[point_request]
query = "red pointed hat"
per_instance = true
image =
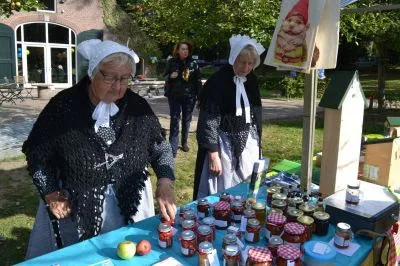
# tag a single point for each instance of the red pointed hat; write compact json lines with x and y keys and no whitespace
{"x":300,"y":8}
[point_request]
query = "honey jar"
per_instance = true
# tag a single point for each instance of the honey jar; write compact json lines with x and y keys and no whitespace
{"x":288,"y":255}
{"x":252,"y":230}
{"x":188,"y":243}
{"x":261,"y":213}
{"x":259,"y":256}
{"x":222,"y":214}
{"x":294,"y":234}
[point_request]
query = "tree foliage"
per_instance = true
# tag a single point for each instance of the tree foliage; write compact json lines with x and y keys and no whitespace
{"x":206,"y":22}
{"x":8,"y":6}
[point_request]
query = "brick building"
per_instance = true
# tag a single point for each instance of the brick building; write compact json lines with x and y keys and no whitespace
{"x":41,"y":45}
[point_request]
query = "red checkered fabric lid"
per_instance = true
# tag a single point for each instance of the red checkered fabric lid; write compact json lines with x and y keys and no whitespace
{"x":294,"y":228}
{"x":289,"y":252}
{"x":260,"y":254}
{"x":222,"y":206}
{"x":276,"y":218}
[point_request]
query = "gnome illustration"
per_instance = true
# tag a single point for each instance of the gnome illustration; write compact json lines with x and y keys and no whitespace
{"x":291,"y":47}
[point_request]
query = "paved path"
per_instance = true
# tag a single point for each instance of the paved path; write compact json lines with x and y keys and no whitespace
{"x":16,"y":120}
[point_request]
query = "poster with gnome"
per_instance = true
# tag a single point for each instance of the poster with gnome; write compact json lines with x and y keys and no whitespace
{"x":306,"y":35}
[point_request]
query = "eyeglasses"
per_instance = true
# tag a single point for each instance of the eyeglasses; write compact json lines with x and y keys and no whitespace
{"x":110,"y":79}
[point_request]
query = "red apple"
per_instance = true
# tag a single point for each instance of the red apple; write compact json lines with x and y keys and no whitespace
{"x":143,"y":247}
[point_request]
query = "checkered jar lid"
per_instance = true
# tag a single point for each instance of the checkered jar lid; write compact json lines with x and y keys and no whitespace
{"x":260,"y":254}
{"x":276,"y":218}
{"x":289,"y":252}
{"x":222,"y":206}
{"x":294,"y":228}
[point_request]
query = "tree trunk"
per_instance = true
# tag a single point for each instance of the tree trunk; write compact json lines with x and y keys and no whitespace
{"x":381,"y":76}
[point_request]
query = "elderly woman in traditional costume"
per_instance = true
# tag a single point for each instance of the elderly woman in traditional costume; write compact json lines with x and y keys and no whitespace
{"x":229,"y":125}
{"x":88,"y":153}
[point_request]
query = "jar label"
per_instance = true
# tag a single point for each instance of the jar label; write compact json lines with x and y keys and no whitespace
{"x":221,"y":223}
{"x":162,"y":244}
{"x":237,"y":217}
{"x":201,"y":215}
{"x":243,"y":224}
{"x":249,"y":237}
{"x":298,"y":245}
{"x":267,"y":234}
{"x":290,"y":263}
{"x":340,"y":241}
{"x":185,"y":251}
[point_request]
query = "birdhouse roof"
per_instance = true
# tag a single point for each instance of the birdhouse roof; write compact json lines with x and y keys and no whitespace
{"x":393,"y":121}
{"x":338,"y":88}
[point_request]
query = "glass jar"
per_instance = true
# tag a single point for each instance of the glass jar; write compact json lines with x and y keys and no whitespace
{"x":247,"y":214}
{"x":210,"y":222}
{"x":276,"y":211}
{"x":297,"y":201}
{"x":279,"y":204}
{"x":189,"y":215}
{"x":250,"y":202}
{"x":241,"y":199}
{"x":321,"y":223}
{"x":343,"y":236}
{"x":205,"y":249}
{"x":273,"y":243}
{"x":237,"y":210}
{"x":309,"y":225}
{"x":234,"y":229}
{"x":182,"y":210}
{"x":293,"y":214}
{"x":225,"y":196}
{"x":320,"y":205}
{"x":165,"y":235}
{"x":222,"y":214}
{"x":229,"y":239}
{"x":231,"y":255}
{"x":204,"y":233}
{"x":274,"y":225}
{"x":188,"y":225}
{"x":271,"y":191}
{"x":188,"y":243}
{"x":279,"y":196}
{"x":203,"y":208}
{"x":294,"y":234}
{"x":259,"y":256}
{"x":261,"y":212}
{"x":353,"y":193}
{"x":252,"y":230}
{"x":307,"y":208}
{"x":288,"y":255}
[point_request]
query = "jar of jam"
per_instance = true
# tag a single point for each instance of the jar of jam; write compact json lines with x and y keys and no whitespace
{"x":205,"y":249}
{"x":165,"y":235}
{"x":275,"y":224}
{"x":343,"y":236}
{"x":247,"y":214}
{"x":253,"y":230}
{"x":229,"y":239}
{"x":225,"y":196}
{"x":294,"y":234}
{"x":188,"y":243}
{"x":288,"y":255}
{"x":188,"y":225}
{"x":307,"y":208}
{"x":273,"y":243}
{"x":261,"y":213}
{"x":237,"y":210}
{"x":203,"y":208}
{"x":297,"y":201}
{"x":234,"y":229}
{"x":163,"y":220}
{"x":231,"y":255}
{"x":321,"y":223}
{"x":222,"y":214}
{"x":210,"y":222}
{"x":204,"y":233}
{"x":241,"y":199}
{"x":293,"y":214}
{"x":259,"y":256}
{"x":271,"y":191}
{"x":182,"y":210}
{"x":279,"y":196}
{"x":309,"y":225}
{"x":274,"y":210}
{"x":189,"y":215}
{"x":279,"y":204}
{"x":353,"y":193}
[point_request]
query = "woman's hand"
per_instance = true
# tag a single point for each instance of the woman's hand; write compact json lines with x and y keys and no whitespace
{"x":215,"y":163}
{"x":165,"y":197}
{"x":174,"y":75}
{"x":59,"y":205}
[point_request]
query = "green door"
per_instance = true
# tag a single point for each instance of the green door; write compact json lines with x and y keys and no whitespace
{"x":7,"y":53}
{"x":82,"y":62}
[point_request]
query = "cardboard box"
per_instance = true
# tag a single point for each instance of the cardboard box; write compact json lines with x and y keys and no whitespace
{"x":382,"y":162}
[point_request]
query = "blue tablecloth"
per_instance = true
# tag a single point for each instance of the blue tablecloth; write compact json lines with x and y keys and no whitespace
{"x":103,"y":247}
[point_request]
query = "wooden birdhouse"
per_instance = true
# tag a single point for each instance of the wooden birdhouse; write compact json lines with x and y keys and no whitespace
{"x":392,"y":127}
{"x":344,"y":104}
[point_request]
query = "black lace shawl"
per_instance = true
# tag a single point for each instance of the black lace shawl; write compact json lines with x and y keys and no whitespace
{"x":64,"y":145}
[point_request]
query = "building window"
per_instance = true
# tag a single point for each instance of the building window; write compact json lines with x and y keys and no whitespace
{"x":50,"y":6}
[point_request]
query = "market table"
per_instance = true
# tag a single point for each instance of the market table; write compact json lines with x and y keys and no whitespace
{"x":101,"y":250}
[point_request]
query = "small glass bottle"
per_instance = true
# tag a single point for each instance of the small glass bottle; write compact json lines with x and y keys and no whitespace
{"x":343,"y":236}
{"x":204,"y":233}
{"x":309,"y":225}
{"x":231,"y":255}
{"x":237,"y":210}
{"x":294,"y":234}
{"x":321,"y":223}
{"x":252,"y":231}
{"x":205,"y":249}
{"x":261,"y":212}
{"x":203,"y":208}
{"x":273,"y":243}
{"x":210,"y":222}
{"x":188,"y":243}
{"x":353,"y":193}
{"x":274,"y":225}
{"x":188,"y":225}
{"x":229,"y":239}
{"x":288,"y":255}
{"x":165,"y":235}
{"x":259,"y":256}
{"x":222,"y":214}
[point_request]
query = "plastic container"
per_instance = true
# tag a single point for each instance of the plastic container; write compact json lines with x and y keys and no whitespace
{"x":319,"y":253}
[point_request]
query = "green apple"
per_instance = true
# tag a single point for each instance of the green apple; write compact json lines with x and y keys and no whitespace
{"x":126,"y":250}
